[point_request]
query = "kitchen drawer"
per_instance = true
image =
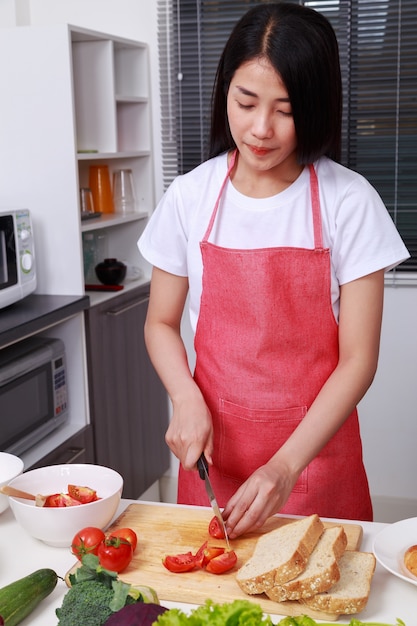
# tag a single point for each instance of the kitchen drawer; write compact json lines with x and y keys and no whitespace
{"x":77,"y":449}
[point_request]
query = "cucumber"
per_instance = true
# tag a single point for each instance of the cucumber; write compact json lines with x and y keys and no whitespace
{"x":21,"y":597}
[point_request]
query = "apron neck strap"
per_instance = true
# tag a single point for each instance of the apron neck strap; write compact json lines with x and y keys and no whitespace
{"x":216,"y":206}
{"x":315,"y":204}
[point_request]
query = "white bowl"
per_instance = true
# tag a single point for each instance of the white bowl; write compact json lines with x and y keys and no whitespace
{"x":57,"y":526}
{"x":10,"y":467}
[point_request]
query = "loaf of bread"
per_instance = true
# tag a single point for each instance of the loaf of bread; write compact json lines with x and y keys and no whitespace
{"x":280,"y":555}
{"x":350,"y":594}
{"x":410,"y":559}
{"x":321,"y":572}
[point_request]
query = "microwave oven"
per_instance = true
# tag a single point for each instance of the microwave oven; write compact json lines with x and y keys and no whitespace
{"x":17,"y":256}
{"x":33,"y":392}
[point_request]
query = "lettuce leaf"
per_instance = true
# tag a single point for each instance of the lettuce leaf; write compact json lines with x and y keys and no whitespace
{"x":242,"y":613}
{"x":236,"y":613}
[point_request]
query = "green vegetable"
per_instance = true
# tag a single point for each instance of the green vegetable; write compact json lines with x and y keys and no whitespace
{"x":304,"y":620}
{"x":241,"y":613}
{"x":97,"y":593}
{"x":21,"y":597}
{"x":237,"y":613}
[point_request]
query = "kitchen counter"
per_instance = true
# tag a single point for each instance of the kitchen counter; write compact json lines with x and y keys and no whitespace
{"x":36,"y":312}
{"x":21,"y":555}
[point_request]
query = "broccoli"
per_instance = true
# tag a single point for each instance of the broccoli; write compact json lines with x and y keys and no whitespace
{"x":86,"y":603}
{"x":96,"y":593}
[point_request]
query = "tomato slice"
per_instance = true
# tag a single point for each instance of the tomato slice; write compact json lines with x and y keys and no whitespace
{"x":205,"y":553}
{"x":61,"y":500}
{"x":82,"y":494}
{"x":179,"y":563}
{"x":222,"y":563}
{"x":215,"y":529}
{"x":199,"y":555}
{"x":128,"y":534}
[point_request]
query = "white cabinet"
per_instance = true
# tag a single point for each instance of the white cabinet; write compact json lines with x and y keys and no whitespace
{"x":71,"y":98}
{"x":113,"y":127}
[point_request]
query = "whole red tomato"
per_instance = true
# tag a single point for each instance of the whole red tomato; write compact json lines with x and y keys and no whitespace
{"x":128,"y":534}
{"x":87,"y":541}
{"x":115,"y":554}
{"x":215,"y":530}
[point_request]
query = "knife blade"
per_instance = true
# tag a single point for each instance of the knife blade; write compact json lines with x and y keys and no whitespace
{"x":203,"y":470}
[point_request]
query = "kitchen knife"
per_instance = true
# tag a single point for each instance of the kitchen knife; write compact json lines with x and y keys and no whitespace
{"x":203,"y":470}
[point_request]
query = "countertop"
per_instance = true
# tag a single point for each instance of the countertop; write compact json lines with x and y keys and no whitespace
{"x":390,"y":598}
{"x":36,"y":312}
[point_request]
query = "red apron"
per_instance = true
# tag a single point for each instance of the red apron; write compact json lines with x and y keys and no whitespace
{"x":266,"y":342}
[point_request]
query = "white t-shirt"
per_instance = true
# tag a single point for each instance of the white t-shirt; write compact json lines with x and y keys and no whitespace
{"x":357,"y":227}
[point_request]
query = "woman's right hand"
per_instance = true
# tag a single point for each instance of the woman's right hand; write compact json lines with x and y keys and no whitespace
{"x":190,"y":431}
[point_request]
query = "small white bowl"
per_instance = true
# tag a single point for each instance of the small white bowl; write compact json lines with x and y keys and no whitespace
{"x":10,"y":467}
{"x":57,"y":526}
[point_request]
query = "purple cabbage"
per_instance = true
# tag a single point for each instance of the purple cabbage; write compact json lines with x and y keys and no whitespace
{"x":137,"y":614}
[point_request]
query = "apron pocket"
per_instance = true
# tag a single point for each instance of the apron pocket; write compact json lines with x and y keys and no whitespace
{"x":248,"y":438}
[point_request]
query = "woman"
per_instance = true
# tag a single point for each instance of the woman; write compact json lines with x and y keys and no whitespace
{"x":283,"y":253}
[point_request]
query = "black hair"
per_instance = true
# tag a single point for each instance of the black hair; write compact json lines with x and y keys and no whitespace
{"x":301,"y":45}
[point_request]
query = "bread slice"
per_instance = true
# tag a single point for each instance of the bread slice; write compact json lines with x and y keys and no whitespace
{"x":322,"y":570}
{"x":350,"y":594}
{"x":280,"y":555}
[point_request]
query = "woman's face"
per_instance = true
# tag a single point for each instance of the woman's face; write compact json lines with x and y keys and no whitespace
{"x":260,"y":117}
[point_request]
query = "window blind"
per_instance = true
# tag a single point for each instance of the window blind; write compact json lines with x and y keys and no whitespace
{"x":379,"y":72}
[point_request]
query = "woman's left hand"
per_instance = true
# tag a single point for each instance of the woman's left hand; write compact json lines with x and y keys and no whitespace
{"x":264,"y":493}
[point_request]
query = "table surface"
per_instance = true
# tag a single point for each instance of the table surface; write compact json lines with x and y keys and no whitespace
{"x":390,"y":598}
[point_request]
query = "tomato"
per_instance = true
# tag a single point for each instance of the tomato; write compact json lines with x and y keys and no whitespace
{"x":87,"y":541}
{"x":128,"y":534}
{"x":76,"y":495}
{"x":211,"y":552}
{"x":199,"y":555}
{"x":115,"y":554}
{"x":60,"y":500}
{"x":215,"y":529}
{"x":222,"y":563}
{"x":188,"y":561}
{"x":179,"y":563}
{"x":82,"y":494}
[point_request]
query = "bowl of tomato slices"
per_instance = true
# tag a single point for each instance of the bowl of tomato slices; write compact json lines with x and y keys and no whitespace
{"x":66,"y":498}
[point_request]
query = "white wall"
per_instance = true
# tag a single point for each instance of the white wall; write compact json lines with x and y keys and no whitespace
{"x":388,"y":414}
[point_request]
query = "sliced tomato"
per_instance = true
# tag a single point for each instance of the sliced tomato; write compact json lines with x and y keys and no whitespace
{"x":128,"y":534}
{"x":179,"y":563}
{"x":215,"y":529}
{"x":222,"y":563}
{"x":82,"y":494}
{"x":199,"y":555}
{"x":211,"y":552}
{"x":61,"y":500}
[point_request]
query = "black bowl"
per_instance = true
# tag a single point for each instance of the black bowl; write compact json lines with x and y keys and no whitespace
{"x":111,"y":272}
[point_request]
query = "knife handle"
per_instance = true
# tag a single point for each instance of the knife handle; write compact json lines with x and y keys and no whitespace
{"x":202,"y":466}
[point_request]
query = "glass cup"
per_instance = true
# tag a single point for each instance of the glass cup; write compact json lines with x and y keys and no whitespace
{"x":99,"y":180}
{"x":86,"y":201}
{"x":123,"y":191}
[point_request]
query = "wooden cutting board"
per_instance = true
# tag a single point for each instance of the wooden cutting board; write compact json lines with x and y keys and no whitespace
{"x":164,"y":529}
